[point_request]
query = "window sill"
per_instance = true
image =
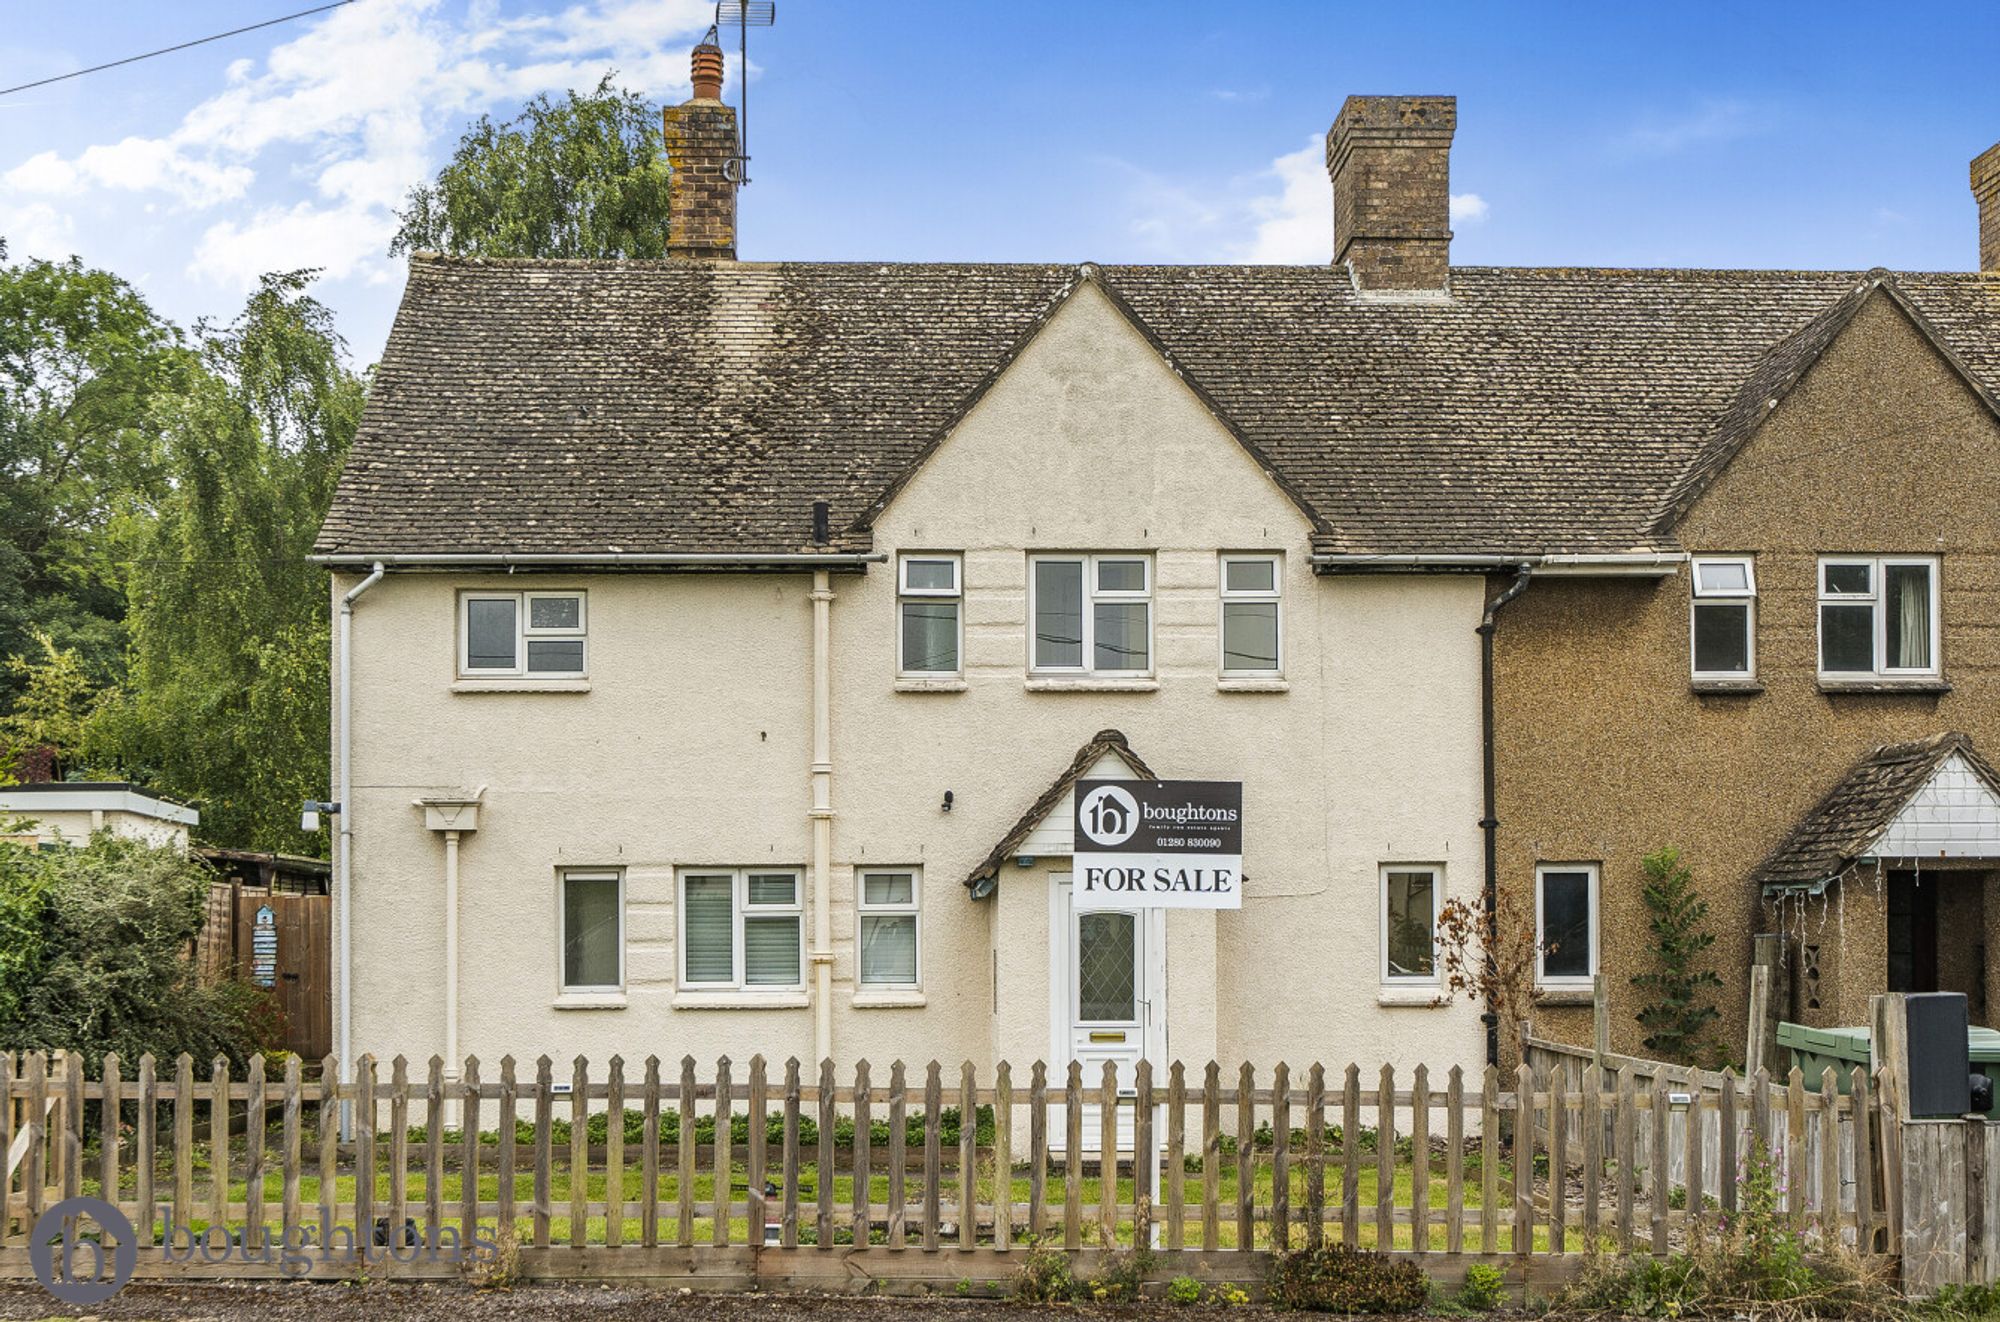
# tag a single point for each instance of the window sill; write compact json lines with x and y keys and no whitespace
{"x":740,"y":1000}
{"x":1884,"y":686}
{"x":1740,"y":688}
{"x":1089,"y":684}
{"x":1559,"y":996}
{"x":907,"y":998}
{"x":942,"y":684}
{"x":1413,"y":997}
{"x":1234,"y":684}
{"x":521,"y":686}
{"x":590,"y":1001}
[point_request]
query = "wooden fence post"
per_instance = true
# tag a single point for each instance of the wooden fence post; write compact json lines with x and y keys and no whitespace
{"x":864,"y":1154}
{"x":933,"y":1143}
{"x":1176,"y":1157}
{"x":468,"y":1175}
{"x":725,"y":1137}
{"x":649,"y":1146}
{"x":614,"y":1153}
{"x":824,"y":1221}
{"x":968,"y":1158}
{"x":545,"y":1151}
{"x":899,"y":1153}
{"x":293,"y":1125}
{"x":1003,"y":1157}
{"x":579,"y":1152}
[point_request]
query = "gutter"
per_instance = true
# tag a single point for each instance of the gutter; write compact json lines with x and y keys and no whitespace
{"x":344,"y":852}
{"x":1490,"y":823}
{"x":1642,"y":564}
{"x":529,"y":559}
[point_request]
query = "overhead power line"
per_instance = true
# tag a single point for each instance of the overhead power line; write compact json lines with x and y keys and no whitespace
{"x":168,"y":50}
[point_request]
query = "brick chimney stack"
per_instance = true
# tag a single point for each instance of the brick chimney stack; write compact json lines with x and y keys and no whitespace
{"x":1986,"y":188}
{"x":701,"y":150}
{"x":1390,"y":158}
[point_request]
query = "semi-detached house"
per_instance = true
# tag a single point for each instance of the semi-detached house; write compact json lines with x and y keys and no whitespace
{"x":719,"y":641}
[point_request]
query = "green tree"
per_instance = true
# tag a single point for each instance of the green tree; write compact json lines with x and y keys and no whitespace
{"x":95,"y":956}
{"x":1677,"y":1013}
{"x":581,"y":177}
{"x":85,"y":367}
{"x":226,"y":702}
{"x":52,"y":711}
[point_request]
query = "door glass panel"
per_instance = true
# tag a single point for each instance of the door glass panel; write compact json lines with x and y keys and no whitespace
{"x":1107,"y":967}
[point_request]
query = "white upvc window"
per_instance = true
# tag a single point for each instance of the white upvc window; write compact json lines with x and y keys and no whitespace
{"x":1722,"y":620}
{"x":1411,"y":896}
{"x":888,"y":905}
{"x":742,"y":929}
{"x":1878,"y":617}
{"x":533,"y":635}
{"x":1565,"y":924}
{"x":930,"y":625}
{"x":593,"y":930}
{"x":1090,"y":614}
{"x":1252,"y":614}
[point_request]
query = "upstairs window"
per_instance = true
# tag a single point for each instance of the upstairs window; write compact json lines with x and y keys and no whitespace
{"x":1723,"y":626}
{"x":1091,"y":614}
{"x":1878,"y":617}
{"x":928,"y":623}
{"x":533,"y":635}
{"x":1251,"y":628}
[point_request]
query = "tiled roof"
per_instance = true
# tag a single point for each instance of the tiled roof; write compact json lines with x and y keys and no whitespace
{"x":1854,"y":814}
{"x":981,"y":880}
{"x":667,"y":407}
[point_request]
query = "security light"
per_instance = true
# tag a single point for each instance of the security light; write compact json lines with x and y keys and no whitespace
{"x":310,"y":811}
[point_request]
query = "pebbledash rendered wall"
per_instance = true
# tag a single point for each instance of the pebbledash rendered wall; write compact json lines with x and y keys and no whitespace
{"x":692,"y":747}
{"x":1605,"y":750}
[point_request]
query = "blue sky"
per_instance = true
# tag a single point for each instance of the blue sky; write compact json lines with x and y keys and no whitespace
{"x":1773,"y":134}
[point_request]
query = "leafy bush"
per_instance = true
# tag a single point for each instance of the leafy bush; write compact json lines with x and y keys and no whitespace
{"x":1677,"y":1015}
{"x":1184,"y":1290}
{"x":1337,"y":1279}
{"x":1119,"y":1279}
{"x":1044,"y":1276}
{"x":1485,"y":1288}
{"x":95,"y":957}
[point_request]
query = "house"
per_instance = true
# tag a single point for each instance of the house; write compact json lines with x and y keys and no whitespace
{"x":47,"y":813}
{"x":1806,"y":705}
{"x":720,"y":643}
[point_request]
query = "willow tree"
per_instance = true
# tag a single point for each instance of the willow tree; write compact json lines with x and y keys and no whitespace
{"x":582,"y":177}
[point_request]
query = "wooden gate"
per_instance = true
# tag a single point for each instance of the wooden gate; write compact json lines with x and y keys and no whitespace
{"x":280,"y":943}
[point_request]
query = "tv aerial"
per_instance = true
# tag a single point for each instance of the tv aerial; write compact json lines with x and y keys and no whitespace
{"x":742,"y":15}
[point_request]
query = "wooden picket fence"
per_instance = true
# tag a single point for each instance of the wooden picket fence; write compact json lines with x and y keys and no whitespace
{"x":931,"y":1177}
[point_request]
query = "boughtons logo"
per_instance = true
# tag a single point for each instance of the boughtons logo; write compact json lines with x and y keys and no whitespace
{"x":55,"y":1233}
{"x":1110,"y":816}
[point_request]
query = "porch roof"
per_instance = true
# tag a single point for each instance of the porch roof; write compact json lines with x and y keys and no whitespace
{"x":1873,"y":810}
{"x":982,"y":879}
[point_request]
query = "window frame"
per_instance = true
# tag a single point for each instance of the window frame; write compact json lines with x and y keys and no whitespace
{"x":565,"y":875}
{"x":1434,"y":977}
{"x":863,"y":909}
{"x":1877,"y":603}
{"x":523,"y":600}
{"x":1724,"y":596}
{"x":739,"y":910}
{"x":905,"y":594}
{"x":1567,"y":982}
{"x":1275,"y":596}
{"x":1092,"y":595}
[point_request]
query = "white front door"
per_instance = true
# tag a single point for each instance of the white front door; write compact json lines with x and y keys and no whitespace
{"x":1109,"y":975}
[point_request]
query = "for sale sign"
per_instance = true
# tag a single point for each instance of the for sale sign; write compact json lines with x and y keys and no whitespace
{"x":1159,"y":844}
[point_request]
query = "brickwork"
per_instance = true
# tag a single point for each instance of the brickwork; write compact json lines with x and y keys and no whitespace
{"x":701,"y":140}
{"x":1986,"y":188}
{"x":1390,"y":159}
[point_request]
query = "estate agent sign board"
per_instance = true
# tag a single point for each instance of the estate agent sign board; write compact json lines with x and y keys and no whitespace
{"x":1159,"y":844}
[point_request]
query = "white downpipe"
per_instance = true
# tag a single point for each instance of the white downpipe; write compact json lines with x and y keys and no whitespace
{"x":451,"y":1057}
{"x":822,"y":817}
{"x":343,"y":854}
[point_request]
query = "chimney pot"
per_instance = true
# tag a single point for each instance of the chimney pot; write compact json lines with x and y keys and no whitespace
{"x":707,"y":62}
{"x":1986,"y":189}
{"x":1390,"y":161}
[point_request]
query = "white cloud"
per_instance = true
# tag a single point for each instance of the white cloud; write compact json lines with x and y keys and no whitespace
{"x":1295,"y":223}
{"x":1468,"y":208}
{"x":36,"y":230}
{"x":1709,"y":121}
{"x":355,"y":110}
